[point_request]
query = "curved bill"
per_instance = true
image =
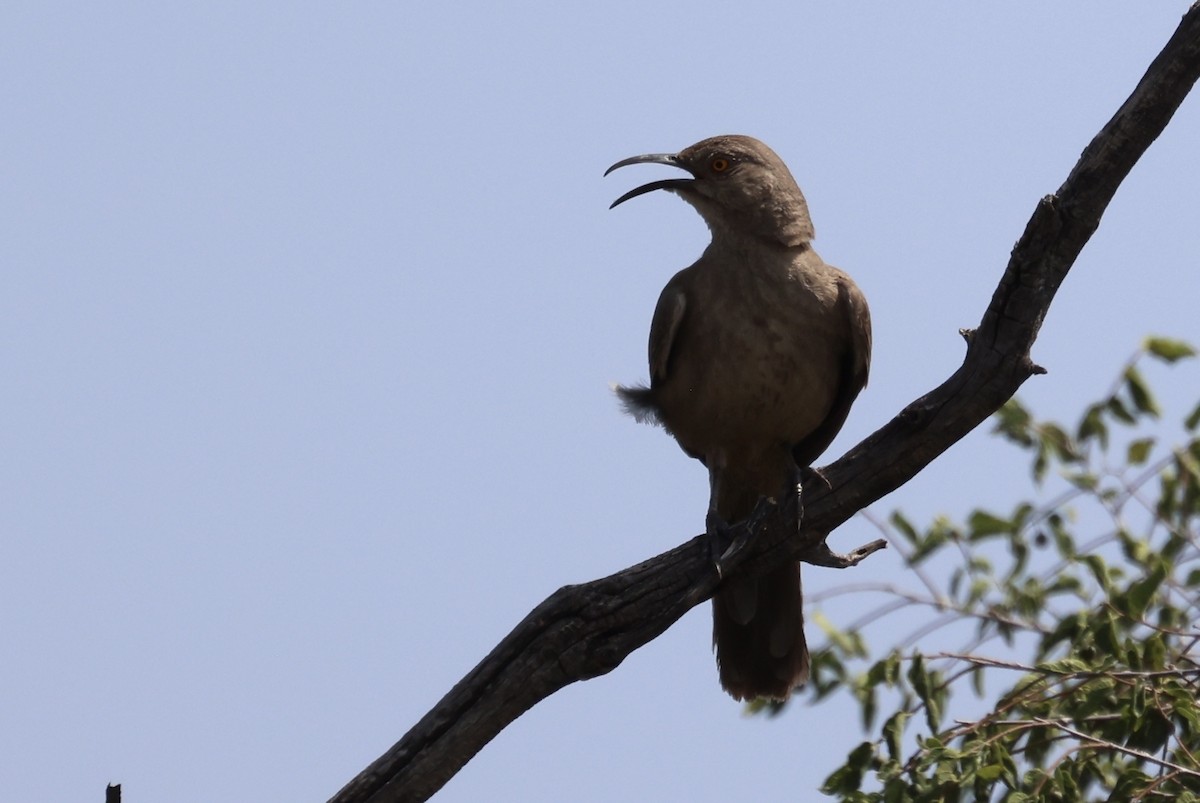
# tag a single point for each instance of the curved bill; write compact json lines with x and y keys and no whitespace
{"x":647,"y":158}
{"x":664,"y":184}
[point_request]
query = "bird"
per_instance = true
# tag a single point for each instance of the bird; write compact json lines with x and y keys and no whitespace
{"x":757,"y":352}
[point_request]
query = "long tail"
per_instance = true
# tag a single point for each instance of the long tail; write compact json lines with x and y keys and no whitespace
{"x":758,"y":632}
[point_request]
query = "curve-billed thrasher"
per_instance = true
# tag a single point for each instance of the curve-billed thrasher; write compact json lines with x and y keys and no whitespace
{"x":757,"y":352}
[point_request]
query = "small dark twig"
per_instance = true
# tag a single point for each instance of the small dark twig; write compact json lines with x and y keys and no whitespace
{"x":822,"y":555}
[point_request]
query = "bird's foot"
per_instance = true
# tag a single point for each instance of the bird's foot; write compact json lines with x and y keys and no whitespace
{"x":793,"y":502}
{"x":724,"y":541}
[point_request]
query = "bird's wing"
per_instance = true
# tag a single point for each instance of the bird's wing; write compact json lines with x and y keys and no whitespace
{"x":855,"y":366}
{"x":854,"y":305}
{"x":663,"y":328}
{"x":638,"y":400}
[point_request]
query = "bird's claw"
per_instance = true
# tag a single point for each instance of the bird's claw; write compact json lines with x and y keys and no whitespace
{"x":726,"y":540}
{"x":794,"y":501}
{"x":723,"y":541}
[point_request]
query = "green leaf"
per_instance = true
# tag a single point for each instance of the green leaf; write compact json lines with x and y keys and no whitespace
{"x":1083,"y":480}
{"x":1065,"y":584}
{"x":918,"y":678}
{"x":1136,"y":549}
{"x":977,"y":564}
{"x":893,"y":732}
{"x":1100,"y":571}
{"x":1118,"y":410}
{"x":1167,"y":506}
{"x":1139,"y":392}
{"x":1141,"y":592}
{"x":1193,"y":419}
{"x":868,"y":702}
{"x":849,"y":644}
{"x":984,"y":524}
{"x":904,"y":526}
{"x":1013,"y":421}
{"x":1041,"y":462}
{"x":1139,"y":451}
{"x":935,"y":539}
{"x":977,"y":681}
{"x":1106,"y":634}
{"x":1185,"y":706}
{"x":1092,"y":426}
{"x":980,"y":586}
{"x":1064,"y":666}
{"x":892,"y":675}
{"x":1010,"y":767}
{"x":1168,"y":350}
{"x":1154,"y":652}
{"x":924,"y":684}
{"x":848,"y":777}
{"x":877,"y":673}
{"x":1188,"y":465}
{"x":1062,"y":537}
{"x":1060,"y":442}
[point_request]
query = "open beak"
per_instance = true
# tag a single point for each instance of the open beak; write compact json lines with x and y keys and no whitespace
{"x":663,"y":184}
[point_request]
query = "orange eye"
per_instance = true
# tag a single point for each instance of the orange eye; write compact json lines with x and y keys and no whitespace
{"x":719,"y":165}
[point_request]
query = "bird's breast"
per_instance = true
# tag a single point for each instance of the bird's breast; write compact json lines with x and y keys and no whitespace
{"x":756,"y":361}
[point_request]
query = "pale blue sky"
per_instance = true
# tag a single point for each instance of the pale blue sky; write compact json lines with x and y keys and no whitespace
{"x":309,"y":313}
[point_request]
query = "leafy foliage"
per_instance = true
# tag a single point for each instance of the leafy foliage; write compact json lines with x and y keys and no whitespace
{"x":1097,"y":589}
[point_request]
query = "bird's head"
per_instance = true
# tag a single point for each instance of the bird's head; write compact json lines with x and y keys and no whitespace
{"x":738,"y":185}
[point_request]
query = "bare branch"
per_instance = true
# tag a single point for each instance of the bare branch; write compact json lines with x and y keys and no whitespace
{"x":1133,"y":674}
{"x":1104,"y":744}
